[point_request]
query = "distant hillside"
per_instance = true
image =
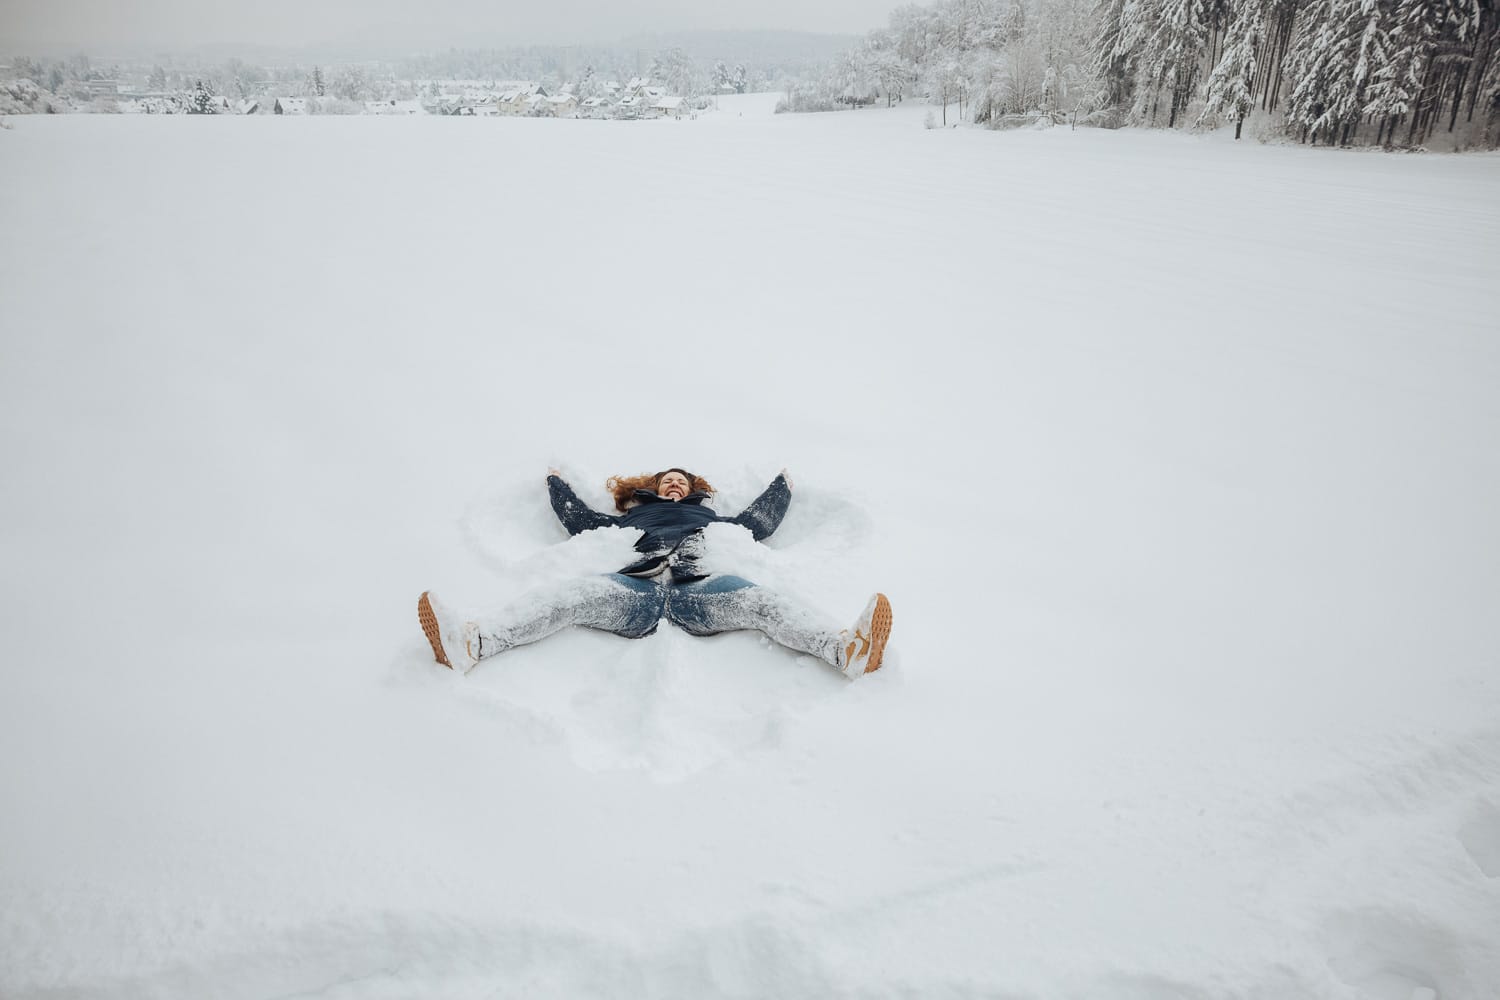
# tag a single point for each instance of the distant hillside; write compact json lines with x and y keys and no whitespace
{"x":770,"y":52}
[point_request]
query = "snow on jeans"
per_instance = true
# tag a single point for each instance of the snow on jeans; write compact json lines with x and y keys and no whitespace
{"x":632,"y":607}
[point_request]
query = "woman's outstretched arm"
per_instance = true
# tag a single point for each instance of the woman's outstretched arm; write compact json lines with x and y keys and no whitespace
{"x":574,"y":514}
{"x":764,"y":514}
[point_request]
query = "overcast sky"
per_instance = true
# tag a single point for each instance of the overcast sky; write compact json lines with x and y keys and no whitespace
{"x":102,"y":24}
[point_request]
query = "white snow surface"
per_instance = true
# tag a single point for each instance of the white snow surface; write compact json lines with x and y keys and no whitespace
{"x":1179,"y":459}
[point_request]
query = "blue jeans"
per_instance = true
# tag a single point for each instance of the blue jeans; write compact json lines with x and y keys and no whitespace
{"x":633,"y":607}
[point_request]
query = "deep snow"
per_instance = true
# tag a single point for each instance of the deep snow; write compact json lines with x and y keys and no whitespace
{"x":1179,"y":459}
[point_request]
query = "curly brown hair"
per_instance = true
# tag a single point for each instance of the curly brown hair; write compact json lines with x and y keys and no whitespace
{"x":623,"y":487}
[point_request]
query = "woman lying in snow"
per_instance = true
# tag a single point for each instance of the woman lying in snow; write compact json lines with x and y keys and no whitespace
{"x":667,"y":581}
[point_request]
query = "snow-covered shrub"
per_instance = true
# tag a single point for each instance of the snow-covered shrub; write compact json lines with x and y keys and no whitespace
{"x":24,"y":97}
{"x":334,"y":106}
{"x":803,"y":97}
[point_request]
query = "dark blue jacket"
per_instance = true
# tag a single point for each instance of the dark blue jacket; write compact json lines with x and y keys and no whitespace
{"x":671,"y":529}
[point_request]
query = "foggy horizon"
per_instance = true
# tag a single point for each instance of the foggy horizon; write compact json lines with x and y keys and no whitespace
{"x":385,"y":27}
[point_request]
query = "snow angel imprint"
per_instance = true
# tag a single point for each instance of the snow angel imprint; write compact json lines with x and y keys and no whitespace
{"x":668,"y":580}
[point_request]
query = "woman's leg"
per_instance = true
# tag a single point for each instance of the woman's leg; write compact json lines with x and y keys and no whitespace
{"x":727,"y":603}
{"x":614,"y":603}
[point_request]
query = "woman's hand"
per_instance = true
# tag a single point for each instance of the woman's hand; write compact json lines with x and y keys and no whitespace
{"x":787,"y":478}
{"x":554,"y":472}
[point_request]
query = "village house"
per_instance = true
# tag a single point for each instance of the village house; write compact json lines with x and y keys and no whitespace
{"x":481,"y":110}
{"x":594,"y":107}
{"x":665,"y":107}
{"x":517,"y":100}
{"x":444,"y":104}
{"x":290,"y":106}
{"x":542,"y":105}
{"x":410,"y":107}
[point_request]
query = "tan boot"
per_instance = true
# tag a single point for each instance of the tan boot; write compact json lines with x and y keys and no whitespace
{"x":863,"y":647}
{"x":453,"y":645}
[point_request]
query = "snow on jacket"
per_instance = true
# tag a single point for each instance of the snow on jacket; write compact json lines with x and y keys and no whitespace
{"x":671,"y":529}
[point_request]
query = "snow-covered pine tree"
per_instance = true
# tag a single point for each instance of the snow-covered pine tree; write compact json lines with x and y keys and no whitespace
{"x":1463,"y":59}
{"x":1281,"y":24}
{"x":1395,"y":85}
{"x":202,"y":101}
{"x":1484,"y":88}
{"x":1114,"y":54}
{"x":1231,"y":85}
{"x":1173,"y":52}
{"x":1333,"y":38}
{"x":588,"y":83}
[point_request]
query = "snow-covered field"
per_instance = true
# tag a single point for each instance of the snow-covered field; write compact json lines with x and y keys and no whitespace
{"x":1179,"y":459}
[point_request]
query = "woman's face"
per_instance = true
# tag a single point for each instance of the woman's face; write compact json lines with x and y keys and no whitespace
{"x":673,"y":486}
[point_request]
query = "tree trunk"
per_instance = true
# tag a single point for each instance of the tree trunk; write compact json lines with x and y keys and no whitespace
{"x":1275,"y":93}
{"x":1262,"y":73}
{"x":1279,"y":40}
{"x":1432,"y":101}
{"x":1264,"y":52}
{"x":1237,"y":126}
{"x":1477,"y":71}
{"x":1458,"y":97}
{"x":1416,"y":112}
